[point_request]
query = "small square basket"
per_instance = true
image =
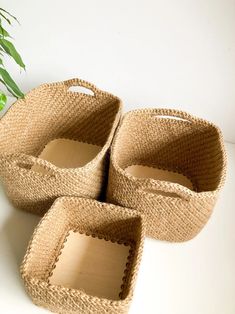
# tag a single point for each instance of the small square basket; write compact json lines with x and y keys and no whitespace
{"x":100,"y":221}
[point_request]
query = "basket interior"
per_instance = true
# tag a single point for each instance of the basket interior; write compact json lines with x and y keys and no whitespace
{"x":192,"y":149}
{"x":65,"y":153}
{"x":140,"y":171}
{"x":51,"y":112}
{"x":95,"y":266}
{"x":94,"y":242}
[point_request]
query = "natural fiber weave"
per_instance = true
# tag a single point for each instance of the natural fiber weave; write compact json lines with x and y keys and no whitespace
{"x":175,"y":141}
{"x":93,"y":218}
{"x":49,"y":112}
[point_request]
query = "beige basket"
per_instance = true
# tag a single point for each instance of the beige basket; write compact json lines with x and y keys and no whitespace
{"x":81,"y":252}
{"x":169,"y":166}
{"x":51,"y":118}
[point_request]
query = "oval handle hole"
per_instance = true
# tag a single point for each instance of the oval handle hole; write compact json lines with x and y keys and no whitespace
{"x":24,"y":166}
{"x":162,"y":193}
{"x":170,"y":117}
{"x":81,"y":89}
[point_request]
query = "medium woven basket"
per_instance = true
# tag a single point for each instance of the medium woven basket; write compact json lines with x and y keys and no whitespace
{"x":51,"y":112}
{"x":90,"y":217}
{"x":172,"y":141}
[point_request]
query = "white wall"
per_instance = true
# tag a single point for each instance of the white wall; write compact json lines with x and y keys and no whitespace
{"x":174,"y":53}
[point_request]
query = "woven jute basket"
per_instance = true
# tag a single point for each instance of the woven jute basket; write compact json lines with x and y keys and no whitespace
{"x":95,"y":219}
{"x":49,"y":112}
{"x":176,"y":142}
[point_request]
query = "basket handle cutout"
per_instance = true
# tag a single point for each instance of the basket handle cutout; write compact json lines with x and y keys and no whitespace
{"x":24,"y":165}
{"x":36,"y":167}
{"x":172,"y":114}
{"x":81,"y":90}
{"x":170,"y":117}
{"x":164,"y":192}
{"x":77,"y":86}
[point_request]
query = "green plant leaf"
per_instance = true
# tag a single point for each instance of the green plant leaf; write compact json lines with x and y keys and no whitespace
{"x":3,"y":32}
{"x":3,"y":100}
{"x":9,"y":90}
{"x":5,"y":18}
{"x":1,"y":9}
{"x":9,"y":48}
{"x":10,"y":83}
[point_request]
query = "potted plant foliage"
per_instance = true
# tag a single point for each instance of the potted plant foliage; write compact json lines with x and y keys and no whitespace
{"x":8,"y":49}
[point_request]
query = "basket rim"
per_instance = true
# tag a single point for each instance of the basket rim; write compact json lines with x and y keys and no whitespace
{"x":76,"y":292}
{"x":75,"y":81}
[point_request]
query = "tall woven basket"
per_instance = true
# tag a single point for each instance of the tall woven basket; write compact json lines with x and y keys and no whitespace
{"x":162,"y":142}
{"x":54,"y":112}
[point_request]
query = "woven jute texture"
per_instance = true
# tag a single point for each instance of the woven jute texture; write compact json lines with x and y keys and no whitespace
{"x":90,"y":217}
{"x":49,"y":112}
{"x":175,"y":141}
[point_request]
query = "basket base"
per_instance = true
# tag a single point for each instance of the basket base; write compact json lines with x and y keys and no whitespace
{"x":93,"y":265}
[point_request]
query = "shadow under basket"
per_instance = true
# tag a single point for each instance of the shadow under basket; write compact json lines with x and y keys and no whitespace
{"x":84,"y":257}
{"x":169,"y":166}
{"x":55,"y":142}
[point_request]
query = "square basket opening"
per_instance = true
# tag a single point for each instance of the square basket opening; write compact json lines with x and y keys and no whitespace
{"x":93,"y":265}
{"x":186,"y":152}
